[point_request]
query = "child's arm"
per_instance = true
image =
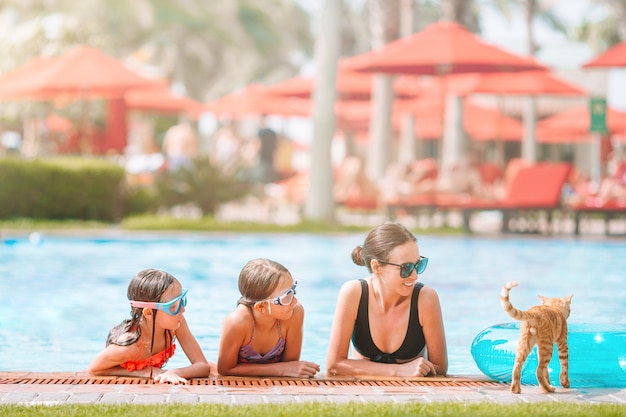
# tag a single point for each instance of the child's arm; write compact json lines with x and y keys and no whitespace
{"x":234,"y":334}
{"x":108,"y":361}
{"x":199,"y":367}
{"x":293,"y":337}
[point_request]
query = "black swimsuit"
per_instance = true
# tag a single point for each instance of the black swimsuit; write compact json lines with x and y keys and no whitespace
{"x":412,"y":345}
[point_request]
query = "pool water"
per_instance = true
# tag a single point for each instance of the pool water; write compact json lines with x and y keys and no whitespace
{"x":61,"y":295}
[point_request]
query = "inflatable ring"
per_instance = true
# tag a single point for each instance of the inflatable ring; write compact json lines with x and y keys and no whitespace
{"x":597,"y":355}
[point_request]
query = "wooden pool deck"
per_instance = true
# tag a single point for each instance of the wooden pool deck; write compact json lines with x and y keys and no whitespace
{"x":74,"y":387}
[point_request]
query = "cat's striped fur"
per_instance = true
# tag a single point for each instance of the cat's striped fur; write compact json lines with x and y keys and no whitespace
{"x":542,"y":325}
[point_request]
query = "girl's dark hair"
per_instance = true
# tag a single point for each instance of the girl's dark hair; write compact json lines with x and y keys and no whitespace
{"x":258,"y":279}
{"x":148,"y":285}
{"x":379,"y":242}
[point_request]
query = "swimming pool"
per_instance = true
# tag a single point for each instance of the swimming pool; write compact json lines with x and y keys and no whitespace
{"x":61,"y":295}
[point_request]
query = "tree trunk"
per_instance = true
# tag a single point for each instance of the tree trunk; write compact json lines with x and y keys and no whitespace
{"x":384,"y":22}
{"x":529,"y":141}
{"x":408,"y":148}
{"x":320,"y":204}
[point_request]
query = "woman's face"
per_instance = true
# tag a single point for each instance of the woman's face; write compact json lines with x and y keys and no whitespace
{"x":406,"y":253}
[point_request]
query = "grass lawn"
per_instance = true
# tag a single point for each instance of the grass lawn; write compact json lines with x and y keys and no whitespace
{"x":317,"y":409}
{"x":205,"y":224}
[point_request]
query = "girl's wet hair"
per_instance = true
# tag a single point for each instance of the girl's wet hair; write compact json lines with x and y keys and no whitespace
{"x":148,"y":285}
{"x":258,"y":279}
{"x":379,"y":242}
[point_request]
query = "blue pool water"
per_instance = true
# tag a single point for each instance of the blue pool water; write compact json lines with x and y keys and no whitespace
{"x":59,"y":296}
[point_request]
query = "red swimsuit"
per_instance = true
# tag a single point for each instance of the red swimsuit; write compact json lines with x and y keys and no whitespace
{"x":157,"y":360}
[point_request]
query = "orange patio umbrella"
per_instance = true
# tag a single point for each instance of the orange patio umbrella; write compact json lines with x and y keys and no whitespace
{"x":572,"y":125}
{"x":612,"y":57}
{"x":520,"y":83}
{"x":442,"y":48}
{"x":82,"y":72}
{"x":161,"y":99}
{"x":481,"y":123}
{"x":350,"y":86}
{"x":255,"y":100}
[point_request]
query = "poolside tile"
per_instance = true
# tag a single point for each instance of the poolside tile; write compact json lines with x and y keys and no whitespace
{"x":405,"y":398}
{"x":346,"y":398}
{"x":377,"y":398}
{"x":248,"y":399}
{"x":279,"y":398}
{"x":19,"y":397}
{"x":84,"y":398}
{"x":182,"y":398}
{"x":215,"y":399}
{"x":116,"y":397}
{"x":311,"y":398}
{"x":52,"y":398}
{"x":150,"y":399}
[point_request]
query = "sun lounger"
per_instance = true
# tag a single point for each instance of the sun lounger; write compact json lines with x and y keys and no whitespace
{"x":608,"y":210}
{"x":535,"y":189}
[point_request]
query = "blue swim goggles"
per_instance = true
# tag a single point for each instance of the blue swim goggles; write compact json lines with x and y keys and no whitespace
{"x":172,"y":307}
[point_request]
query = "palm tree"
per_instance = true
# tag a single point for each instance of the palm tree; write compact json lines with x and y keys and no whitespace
{"x":209,"y":48}
{"x":384,"y":22}
{"x":320,"y":203}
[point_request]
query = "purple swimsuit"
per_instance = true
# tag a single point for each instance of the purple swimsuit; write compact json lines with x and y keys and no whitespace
{"x":247,"y":354}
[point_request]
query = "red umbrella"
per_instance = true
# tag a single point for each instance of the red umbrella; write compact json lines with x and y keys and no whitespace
{"x":350,"y":86}
{"x":481,"y":123}
{"x":82,"y":72}
{"x":521,"y":83}
{"x":256,"y":99}
{"x":613,"y":57}
{"x":572,"y":125}
{"x":442,"y":48}
{"x":161,"y":99}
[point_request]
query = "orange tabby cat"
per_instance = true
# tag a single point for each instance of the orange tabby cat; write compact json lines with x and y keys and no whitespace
{"x":542,"y":325}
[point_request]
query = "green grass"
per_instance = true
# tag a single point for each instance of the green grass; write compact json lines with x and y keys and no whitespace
{"x":205,"y":224}
{"x":318,"y":409}
{"x":42,"y":224}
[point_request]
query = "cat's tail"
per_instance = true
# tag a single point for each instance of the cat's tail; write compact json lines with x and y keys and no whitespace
{"x":506,"y":304}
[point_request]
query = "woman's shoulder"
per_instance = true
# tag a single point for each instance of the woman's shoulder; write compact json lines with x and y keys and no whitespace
{"x":353,"y":286}
{"x":428,"y":296}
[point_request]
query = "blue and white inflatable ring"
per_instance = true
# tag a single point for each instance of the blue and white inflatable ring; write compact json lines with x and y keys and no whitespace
{"x":597,"y":355}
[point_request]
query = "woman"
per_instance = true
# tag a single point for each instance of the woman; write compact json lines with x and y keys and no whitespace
{"x":394,"y":322}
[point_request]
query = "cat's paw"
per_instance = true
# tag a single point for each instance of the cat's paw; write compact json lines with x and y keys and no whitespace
{"x":548,"y":388}
{"x":565,"y":382}
{"x":515,"y":388}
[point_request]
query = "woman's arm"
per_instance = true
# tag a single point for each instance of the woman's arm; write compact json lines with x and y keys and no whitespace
{"x":432,"y":325}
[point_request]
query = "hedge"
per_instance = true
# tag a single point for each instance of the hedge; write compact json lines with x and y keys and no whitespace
{"x":61,"y":188}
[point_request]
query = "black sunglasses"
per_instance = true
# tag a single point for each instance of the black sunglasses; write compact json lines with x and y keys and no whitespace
{"x":407,"y":268}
